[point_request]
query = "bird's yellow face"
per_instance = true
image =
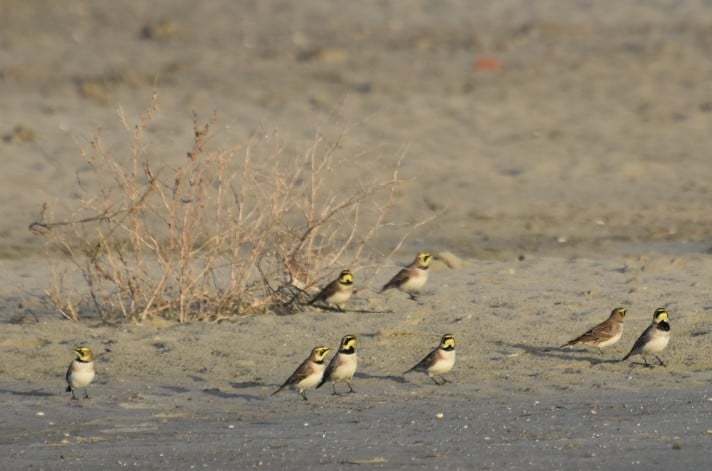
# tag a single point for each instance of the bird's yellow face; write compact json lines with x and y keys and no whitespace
{"x":661,"y":315}
{"x":84,"y":354}
{"x":346,"y":278}
{"x":349,"y":341}
{"x":620,"y":311}
{"x":422,"y":260}
{"x":447,"y":342}
{"x":318,"y":353}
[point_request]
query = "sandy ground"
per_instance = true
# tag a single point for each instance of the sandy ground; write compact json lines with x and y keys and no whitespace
{"x":593,"y":129}
{"x":661,"y":430}
{"x":199,"y":394}
{"x":575,"y":134}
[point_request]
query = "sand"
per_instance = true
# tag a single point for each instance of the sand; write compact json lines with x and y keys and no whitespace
{"x":563,"y":145}
{"x":200,"y":393}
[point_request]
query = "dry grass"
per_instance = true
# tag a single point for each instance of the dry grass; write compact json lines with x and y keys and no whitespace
{"x":225,"y":232}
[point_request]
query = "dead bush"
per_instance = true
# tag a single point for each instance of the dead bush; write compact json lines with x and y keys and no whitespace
{"x":224,"y":232}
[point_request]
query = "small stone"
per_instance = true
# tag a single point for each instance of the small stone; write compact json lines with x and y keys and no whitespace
{"x":20,"y":134}
{"x":162,"y":30}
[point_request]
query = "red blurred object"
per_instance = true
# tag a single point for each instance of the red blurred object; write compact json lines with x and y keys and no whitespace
{"x":487,"y":64}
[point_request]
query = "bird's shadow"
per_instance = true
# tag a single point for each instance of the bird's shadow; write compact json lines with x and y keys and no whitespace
{"x":355,"y":311}
{"x":176,"y":389}
{"x":31,"y":393}
{"x":394,"y":378}
{"x":247,"y":384}
{"x":216,"y":392}
{"x":558,"y":353}
{"x":634,"y":364}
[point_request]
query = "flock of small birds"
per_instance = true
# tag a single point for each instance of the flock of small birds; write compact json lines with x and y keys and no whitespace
{"x":314,"y":372}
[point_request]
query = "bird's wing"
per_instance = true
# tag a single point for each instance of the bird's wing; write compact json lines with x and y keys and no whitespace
{"x":425,"y":362}
{"x":642,"y":340}
{"x":602,"y":331}
{"x":299,"y":374}
{"x":66,"y":376}
{"x":400,"y":278}
{"x":329,"y":369}
{"x":326,"y":292}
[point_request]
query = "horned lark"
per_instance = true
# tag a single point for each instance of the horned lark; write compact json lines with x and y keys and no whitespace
{"x":309,"y":374}
{"x":343,"y":365}
{"x":604,"y":334}
{"x":337,"y":292}
{"x":439,"y":361}
{"x":413,"y":277}
{"x":81,"y":372}
{"x":654,"y":339}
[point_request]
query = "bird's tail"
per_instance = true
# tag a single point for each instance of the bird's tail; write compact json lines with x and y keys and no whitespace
{"x":321,"y":383}
{"x":568,"y":344}
{"x":627,"y":356}
{"x":278,"y":390}
{"x":408,"y":371}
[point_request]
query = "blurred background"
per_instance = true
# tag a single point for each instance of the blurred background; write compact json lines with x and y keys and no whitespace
{"x":572,"y":127}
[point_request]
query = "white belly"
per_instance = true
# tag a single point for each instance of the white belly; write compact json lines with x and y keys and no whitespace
{"x":311,"y":381}
{"x":340,"y":297}
{"x":82,"y":375}
{"x":444,"y":364}
{"x":345,"y":369}
{"x":612,"y":340}
{"x":416,"y":281}
{"x":657,"y":343}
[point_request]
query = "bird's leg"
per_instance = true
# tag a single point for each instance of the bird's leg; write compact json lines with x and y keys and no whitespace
{"x":340,"y":307}
{"x":304,"y":396}
{"x":413,"y":295}
{"x":351,"y":388}
{"x":435,"y":381}
{"x":445,"y":380}
{"x":647,"y":365}
{"x":660,"y":361}
{"x":333,"y":389}
{"x":74,"y":396}
{"x":86,"y":393}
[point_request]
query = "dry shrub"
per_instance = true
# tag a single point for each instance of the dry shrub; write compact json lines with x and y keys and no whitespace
{"x":222,"y":233}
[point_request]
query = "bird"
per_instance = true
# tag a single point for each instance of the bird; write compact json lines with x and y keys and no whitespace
{"x":338,"y":292}
{"x":413,"y":277}
{"x":342,"y":366}
{"x":605,"y":334}
{"x":309,"y":374}
{"x":81,"y":371}
{"x":438,"y":362}
{"x":654,"y":339}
